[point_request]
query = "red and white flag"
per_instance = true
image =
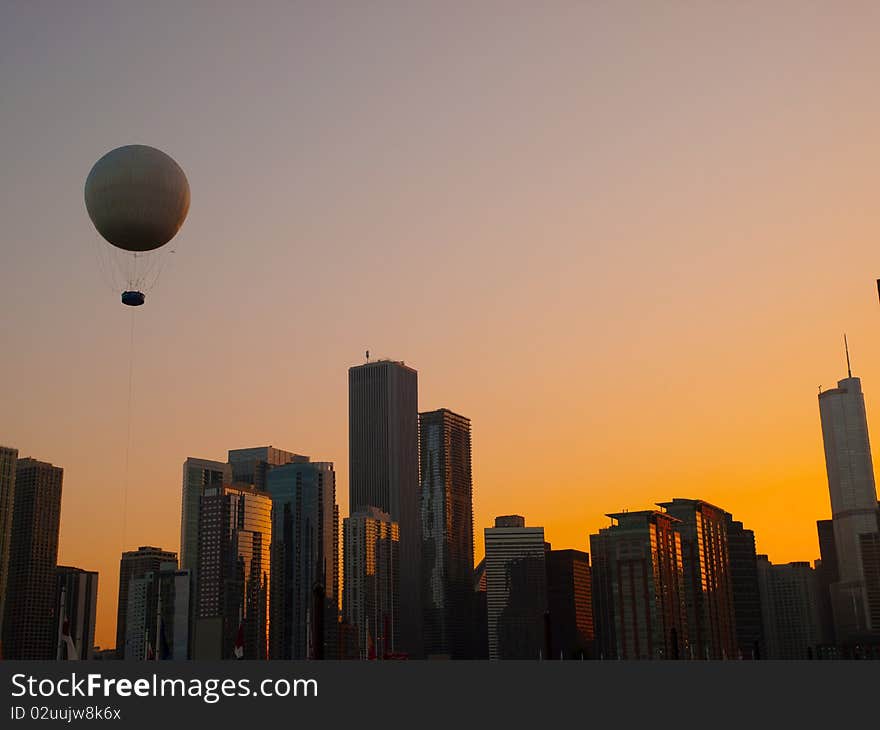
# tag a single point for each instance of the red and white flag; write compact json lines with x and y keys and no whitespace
{"x":238,"y":649}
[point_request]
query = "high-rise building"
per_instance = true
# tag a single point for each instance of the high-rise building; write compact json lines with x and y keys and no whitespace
{"x":30,"y":620}
{"x":790,"y":606}
{"x":304,"y":603}
{"x":516,"y":589}
{"x":76,"y":600}
{"x":135,"y":564}
{"x":232,"y":605}
{"x":639,"y":602}
{"x":826,"y":576}
{"x":569,"y":604}
{"x":447,"y":520}
{"x":853,"y":501}
{"x":197,"y":474}
{"x":481,"y":613}
{"x":160,"y":617}
{"x":252,"y":466}
{"x":707,"y":582}
{"x":8,"y":461}
{"x":746,"y":592}
{"x":371,"y":589}
{"x":384,"y":471}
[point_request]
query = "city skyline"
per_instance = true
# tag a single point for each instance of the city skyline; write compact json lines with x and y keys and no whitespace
{"x":620,"y":264}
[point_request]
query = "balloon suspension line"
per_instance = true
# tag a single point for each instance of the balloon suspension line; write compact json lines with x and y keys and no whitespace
{"x":128,"y":431}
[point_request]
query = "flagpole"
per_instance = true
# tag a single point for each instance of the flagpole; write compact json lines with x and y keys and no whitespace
{"x":158,"y":616}
{"x":61,"y":613}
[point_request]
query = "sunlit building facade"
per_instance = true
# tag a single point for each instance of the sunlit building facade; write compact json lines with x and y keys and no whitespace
{"x":30,"y":621}
{"x":304,"y":603}
{"x":853,"y":502}
{"x":197,"y":474}
{"x":235,"y":535}
{"x":639,"y":600}
{"x":447,"y":534}
{"x":252,"y":465}
{"x":371,"y":589}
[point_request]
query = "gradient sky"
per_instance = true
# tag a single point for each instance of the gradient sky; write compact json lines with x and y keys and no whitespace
{"x":625,"y":239}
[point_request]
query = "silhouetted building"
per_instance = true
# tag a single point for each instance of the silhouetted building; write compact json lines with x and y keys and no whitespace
{"x":197,"y":474}
{"x":135,"y":564}
{"x":159,"y":623}
{"x":853,"y":501}
{"x":447,"y":534}
{"x":384,"y":471}
{"x":30,"y":618}
{"x":826,"y":576}
{"x":789,"y":600}
{"x":76,"y":599}
{"x":516,"y":589}
{"x":252,"y":466}
{"x":304,"y":604}
{"x":639,"y":603}
{"x":235,"y":535}
{"x":481,"y":613}
{"x":371,"y":589}
{"x":8,"y":462}
{"x":707,"y":584}
{"x":746,"y":591}
{"x":570,"y":604}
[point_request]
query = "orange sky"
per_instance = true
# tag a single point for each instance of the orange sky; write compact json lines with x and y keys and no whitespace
{"x":626,"y":242}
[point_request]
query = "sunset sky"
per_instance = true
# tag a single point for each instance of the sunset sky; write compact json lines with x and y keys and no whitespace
{"x":625,"y":239}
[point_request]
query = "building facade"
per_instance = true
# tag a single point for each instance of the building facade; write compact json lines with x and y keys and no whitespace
{"x":232,"y":605}
{"x":789,"y":599}
{"x":707,"y":582}
{"x":570,"y":605}
{"x":252,"y":465}
{"x":159,"y":623}
{"x":197,"y":474}
{"x":748,"y":617}
{"x":8,"y":462}
{"x":371,"y":589}
{"x":304,"y":605}
{"x":384,"y":471}
{"x":516,"y":589}
{"x":76,"y":598}
{"x":135,"y":564}
{"x":853,"y":496}
{"x":30,"y":621}
{"x":447,"y":525}
{"x":639,"y":601}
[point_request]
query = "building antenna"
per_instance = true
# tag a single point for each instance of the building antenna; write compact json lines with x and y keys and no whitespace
{"x":846,"y":347}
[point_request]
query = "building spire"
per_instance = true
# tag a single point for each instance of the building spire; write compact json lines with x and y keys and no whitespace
{"x":846,"y":347}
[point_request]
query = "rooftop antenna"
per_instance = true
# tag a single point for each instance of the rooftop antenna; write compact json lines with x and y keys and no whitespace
{"x":846,"y":347}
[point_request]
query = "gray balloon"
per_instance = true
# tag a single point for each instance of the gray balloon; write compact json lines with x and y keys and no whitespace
{"x":137,"y":197}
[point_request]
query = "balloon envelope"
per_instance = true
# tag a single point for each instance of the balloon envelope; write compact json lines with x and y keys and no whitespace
{"x":137,"y":197}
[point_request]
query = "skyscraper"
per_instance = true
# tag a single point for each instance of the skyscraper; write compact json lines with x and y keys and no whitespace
{"x":790,"y":607}
{"x":30,"y":621}
{"x":252,"y":466}
{"x":197,"y":474}
{"x":707,"y":583}
{"x":569,"y":604}
{"x":8,"y":461}
{"x":516,"y":589}
{"x":447,"y":520}
{"x":132,"y":565}
{"x":160,"y":617}
{"x":371,"y":589}
{"x":746,"y":592}
{"x":76,"y":600}
{"x":826,"y":576}
{"x":235,"y":534}
{"x":638,"y":587}
{"x":853,"y":501}
{"x":304,"y":603}
{"x":384,"y":470}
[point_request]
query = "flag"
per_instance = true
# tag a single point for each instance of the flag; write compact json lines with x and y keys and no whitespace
{"x":238,"y":649}
{"x":72,"y":653}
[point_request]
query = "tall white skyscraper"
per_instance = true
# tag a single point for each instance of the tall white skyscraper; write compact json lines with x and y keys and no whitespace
{"x":853,"y":499}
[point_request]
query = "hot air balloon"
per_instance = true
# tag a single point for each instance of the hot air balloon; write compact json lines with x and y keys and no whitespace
{"x":137,"y":197}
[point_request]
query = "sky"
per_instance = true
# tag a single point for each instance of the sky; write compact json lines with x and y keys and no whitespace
{"x":624,"y":238}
